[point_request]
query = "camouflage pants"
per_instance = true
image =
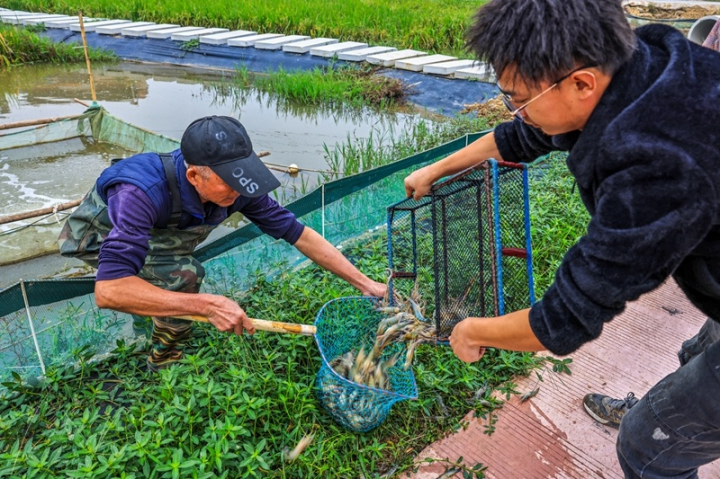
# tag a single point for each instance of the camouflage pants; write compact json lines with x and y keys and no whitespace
{"x":169,"y":265}
{"x":169,"y":335}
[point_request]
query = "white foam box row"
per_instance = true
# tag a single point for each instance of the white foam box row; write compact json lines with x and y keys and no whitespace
{"x":252,"y":39}
{"x":119,"y":27}
{"x":65,"y":22}
{"x":138,"y":32}
{"x":448,"y":68}
{"x":388,"y":59}
{"x":15,"y":14}
{"x":13,"y":17}
{"x":195,"y":34}
{"x":328,"y":51}
{"x":39,"y":20}
{"x":92,"y":26}
{"x":277,"y":43}
{"x":14,"y":20}
{"x":168,"y":32}
{"x":477,"y":72}
{"x":362,"y":53}
{"x":222,"y":38}
{"x":417,"y":64}
{"x":304,"y":46}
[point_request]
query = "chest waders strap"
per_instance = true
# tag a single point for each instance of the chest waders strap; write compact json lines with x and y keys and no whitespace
{"x":169,"y":166}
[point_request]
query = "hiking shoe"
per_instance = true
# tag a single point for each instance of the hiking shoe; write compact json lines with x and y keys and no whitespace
{"x":607,"y":410}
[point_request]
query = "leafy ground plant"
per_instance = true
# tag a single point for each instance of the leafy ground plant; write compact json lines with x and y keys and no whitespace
{"x":234,"y":404}
{"x":557,"y":217}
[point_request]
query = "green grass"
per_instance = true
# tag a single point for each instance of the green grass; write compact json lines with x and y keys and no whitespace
{"x":557,"y":217}
{"x":235,"y":405}
{"x":430,"y":25}
{"x":21,"y":45}
{"x":347,"y":87}
{"x":232,"y":408}
{"x":381,"y":148}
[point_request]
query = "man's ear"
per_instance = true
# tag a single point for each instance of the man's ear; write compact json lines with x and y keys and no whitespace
{"x":193,"y":175}
{"x":585,"y":82}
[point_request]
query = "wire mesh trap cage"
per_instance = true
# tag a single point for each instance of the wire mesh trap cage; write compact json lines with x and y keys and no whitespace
{"x":465,"y":246}
{"x":348,"y":325}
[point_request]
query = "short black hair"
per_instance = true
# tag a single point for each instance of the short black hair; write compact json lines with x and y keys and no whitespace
{"x":545,"y":39}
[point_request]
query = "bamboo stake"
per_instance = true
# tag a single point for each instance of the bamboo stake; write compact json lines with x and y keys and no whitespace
{"x":40,"y":121}
{"x":42,"y":211}
{"x":87,"y":57}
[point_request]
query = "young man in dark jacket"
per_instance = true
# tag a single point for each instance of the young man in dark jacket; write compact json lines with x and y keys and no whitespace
{"x":146,"y":214}
{"x":638,"y":113}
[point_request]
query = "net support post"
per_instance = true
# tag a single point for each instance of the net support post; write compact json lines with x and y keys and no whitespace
{"x":32,"y":327}
{"x":322,"y":206}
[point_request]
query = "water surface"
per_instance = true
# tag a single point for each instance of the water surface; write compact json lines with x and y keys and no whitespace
{"x":164,"y":100}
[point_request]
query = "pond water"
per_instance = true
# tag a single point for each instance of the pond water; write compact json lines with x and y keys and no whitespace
{"x":164,"y":100}
{"x":38,"y":176}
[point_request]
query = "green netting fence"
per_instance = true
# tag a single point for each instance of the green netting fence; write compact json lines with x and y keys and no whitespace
{"x":42,"y":322}
{"x":95,"y":122}
{"x":38,"y":236}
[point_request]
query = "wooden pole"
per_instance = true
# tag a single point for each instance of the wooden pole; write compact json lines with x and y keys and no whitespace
{"x":42,"y":211}
{"x":87,"y":57}
{"x":40,"y":121}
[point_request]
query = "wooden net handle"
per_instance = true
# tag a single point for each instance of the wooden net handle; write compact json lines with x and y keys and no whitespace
{"x":264,"y":325}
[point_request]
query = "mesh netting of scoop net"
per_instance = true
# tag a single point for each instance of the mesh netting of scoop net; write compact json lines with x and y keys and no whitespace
{"x":368,"y":346}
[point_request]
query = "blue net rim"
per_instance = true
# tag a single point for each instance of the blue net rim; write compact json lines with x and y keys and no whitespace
{"x":347,"y":382}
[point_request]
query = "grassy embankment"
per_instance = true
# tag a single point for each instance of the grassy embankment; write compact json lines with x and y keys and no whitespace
{"x":343,"y":87}
{"x":22,"y":45}
{"x":429,"y":25}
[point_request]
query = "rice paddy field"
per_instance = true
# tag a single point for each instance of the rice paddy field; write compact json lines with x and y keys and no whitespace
{"x":430,"y":25}
{"x":22,"y":45}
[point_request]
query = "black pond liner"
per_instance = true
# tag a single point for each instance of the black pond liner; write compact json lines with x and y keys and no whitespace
{"x":436,"y":94}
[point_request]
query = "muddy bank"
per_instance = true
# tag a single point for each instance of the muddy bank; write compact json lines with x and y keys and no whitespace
{"x":661,"y":12}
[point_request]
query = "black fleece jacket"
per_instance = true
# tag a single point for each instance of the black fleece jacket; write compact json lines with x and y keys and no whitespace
{"x":647,"y":166}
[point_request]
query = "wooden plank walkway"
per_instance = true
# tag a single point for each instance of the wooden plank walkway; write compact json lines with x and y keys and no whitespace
{"x":550,"y":435}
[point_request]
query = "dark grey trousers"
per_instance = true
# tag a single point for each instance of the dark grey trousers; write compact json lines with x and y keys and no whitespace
{"x":675,"y":427}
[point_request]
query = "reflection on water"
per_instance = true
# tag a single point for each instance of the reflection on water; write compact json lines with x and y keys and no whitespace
{"x":311,"y":114}
{"x":165,"y":100}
